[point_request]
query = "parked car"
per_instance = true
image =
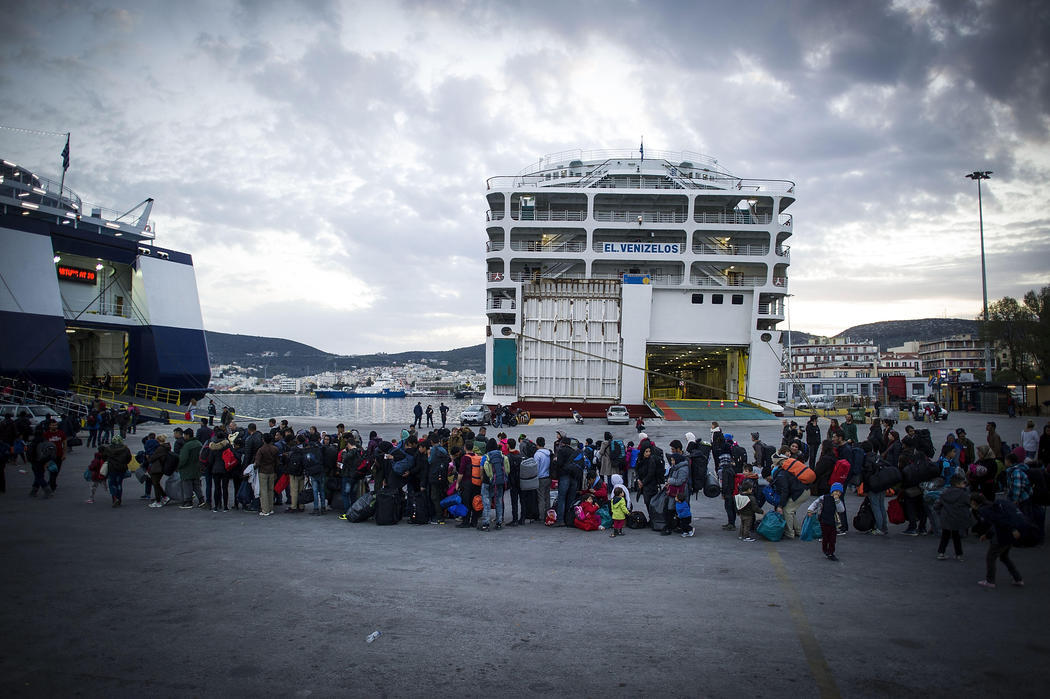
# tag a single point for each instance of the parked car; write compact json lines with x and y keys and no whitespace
{"x":475,"y":414}
{"x":943,"y":415}
{"x":37,"y":413}
{"x":617,"y":415}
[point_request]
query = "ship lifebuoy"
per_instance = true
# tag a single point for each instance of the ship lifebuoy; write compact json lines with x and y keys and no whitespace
{"x":497,"y":276}
{"x":148,"y":228}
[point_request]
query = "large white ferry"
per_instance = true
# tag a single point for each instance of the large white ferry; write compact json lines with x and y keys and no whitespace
{"x":626,"y":277}
{"x":88,"y":298}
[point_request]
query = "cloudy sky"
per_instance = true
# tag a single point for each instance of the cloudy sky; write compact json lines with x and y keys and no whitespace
{"x":325,"y":162}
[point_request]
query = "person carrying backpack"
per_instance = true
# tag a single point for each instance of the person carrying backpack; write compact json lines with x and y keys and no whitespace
{"x":792,"y":494}
{"x":493,"y":482}
{"x":438,"y":460}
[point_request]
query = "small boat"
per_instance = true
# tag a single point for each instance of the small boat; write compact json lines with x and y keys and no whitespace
{"x":378,"y":390}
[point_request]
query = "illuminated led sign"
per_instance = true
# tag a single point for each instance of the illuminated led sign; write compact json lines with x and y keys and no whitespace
{"x":77,"y":274}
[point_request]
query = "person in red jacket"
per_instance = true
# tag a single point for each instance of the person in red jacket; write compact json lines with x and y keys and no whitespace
{"x":591,"y":520}
{"x":58,"y":438}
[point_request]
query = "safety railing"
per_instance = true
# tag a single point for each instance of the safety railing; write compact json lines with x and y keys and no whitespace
{"x":501,"y":305}
{"x":494,"y":246}
{"x":626,"y":216}
{"x":708,"y":249}
{"x":744,"y":218}
{"x":549,"y":215}
{"x":491,"y":215}
{"x":733,"y":280}
{"x":770,"y":309}
{"x":158,"y":393}
{"x":536,"y":246}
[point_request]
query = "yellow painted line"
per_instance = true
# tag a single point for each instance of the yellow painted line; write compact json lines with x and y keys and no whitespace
{"x":818,"y":665}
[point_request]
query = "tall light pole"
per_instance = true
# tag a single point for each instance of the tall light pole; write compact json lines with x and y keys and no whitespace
{"x":983,"y":175}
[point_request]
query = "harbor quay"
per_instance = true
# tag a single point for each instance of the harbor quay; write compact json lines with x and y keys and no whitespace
{"x":107,"y":601}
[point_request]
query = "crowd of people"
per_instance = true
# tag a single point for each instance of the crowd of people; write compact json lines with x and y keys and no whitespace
{"x":995,"y":490}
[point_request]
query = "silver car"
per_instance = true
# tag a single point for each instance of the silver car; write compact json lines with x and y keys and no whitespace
{"x":617,"y":415}
{"x":476,"y":414}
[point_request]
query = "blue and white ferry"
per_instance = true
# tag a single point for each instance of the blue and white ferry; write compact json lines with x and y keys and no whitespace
{"x":87,"y":297}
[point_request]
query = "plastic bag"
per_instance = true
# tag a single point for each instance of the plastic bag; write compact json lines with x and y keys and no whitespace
{"x":772,"y":526}
{"x":810,"y":529}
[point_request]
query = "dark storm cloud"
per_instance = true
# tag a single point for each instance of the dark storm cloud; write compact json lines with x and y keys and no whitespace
{"x":350,"y":142}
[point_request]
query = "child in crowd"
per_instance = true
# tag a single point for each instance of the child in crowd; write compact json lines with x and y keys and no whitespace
{"x":746,"y":507}
{"x":620,"y":507}
{"x":998,"y":526}
{"x":95,"y":477}
{"x":953,"y":510}
{"x":827,"y":508}
{"x":684,"y":514}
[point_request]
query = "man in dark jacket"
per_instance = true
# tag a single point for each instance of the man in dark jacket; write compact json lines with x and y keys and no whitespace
{"x":313,"y":466}
{"x":570,"y":475}
{"x":252,"y":442}
{"x":514,"y":481}
{"x":812,"y":439}
{"x":438,"y":461}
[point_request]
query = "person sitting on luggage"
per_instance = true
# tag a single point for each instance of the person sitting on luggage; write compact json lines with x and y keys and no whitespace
{"x":684,"y":516}
{"x":826,"y":508}
{"x":746,"y":508}
{"x":620,"y":506}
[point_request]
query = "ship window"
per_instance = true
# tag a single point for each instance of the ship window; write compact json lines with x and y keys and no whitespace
{"x":738,"y":299}
{"x":716,"y":298}
{"x":698,"y":298}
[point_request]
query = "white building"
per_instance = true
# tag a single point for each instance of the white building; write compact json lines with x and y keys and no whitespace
{"x":604,"y":264}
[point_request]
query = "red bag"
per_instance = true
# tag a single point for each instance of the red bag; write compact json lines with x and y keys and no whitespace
{"x":840,"y":473}
{"x":478,"y":503}
{"x":281,"y":484}
{"x":229,"y":459}
{"x":895,"y":510}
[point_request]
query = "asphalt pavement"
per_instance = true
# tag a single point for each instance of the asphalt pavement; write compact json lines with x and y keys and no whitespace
{"x":168,"y":602}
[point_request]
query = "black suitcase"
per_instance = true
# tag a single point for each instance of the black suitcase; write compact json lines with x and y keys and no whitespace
{"x":418,"y":504}
{"x":388,"y":507}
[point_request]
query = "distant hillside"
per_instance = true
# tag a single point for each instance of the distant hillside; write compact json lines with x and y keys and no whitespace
{"x":893,"y":333}
{"x":276,"y":355}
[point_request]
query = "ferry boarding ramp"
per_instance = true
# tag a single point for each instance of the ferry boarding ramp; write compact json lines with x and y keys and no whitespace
{"x":710,"y":410}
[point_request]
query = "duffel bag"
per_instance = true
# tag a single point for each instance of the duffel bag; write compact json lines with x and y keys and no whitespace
{"x":363,"y":508}
{"x":636,"y":520}
{"x":711,"y":487}
{"x":895,"y":511}
{"x":885,"y":477}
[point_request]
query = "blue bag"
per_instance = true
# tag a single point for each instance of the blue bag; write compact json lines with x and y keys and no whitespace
{"x":451,"y":500}
{"x":810,"y":529}
{"x":458,"y":510}
{"x":772,"y":526}
{"x":772,"y":496}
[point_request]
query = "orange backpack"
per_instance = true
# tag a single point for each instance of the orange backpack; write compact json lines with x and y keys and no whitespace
{"x":799,"y":470}
{"x":475,"y":470}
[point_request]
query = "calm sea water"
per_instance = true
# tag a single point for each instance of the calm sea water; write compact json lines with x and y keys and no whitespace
{"x":352,"y":411}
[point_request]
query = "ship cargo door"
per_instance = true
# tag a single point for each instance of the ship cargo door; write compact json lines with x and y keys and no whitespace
{"x":96,"y":354}
{"x":570,"y":345}
{"x":696,"y":372}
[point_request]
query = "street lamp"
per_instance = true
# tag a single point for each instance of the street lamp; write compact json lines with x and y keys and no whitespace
{"x":983,"y":175}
